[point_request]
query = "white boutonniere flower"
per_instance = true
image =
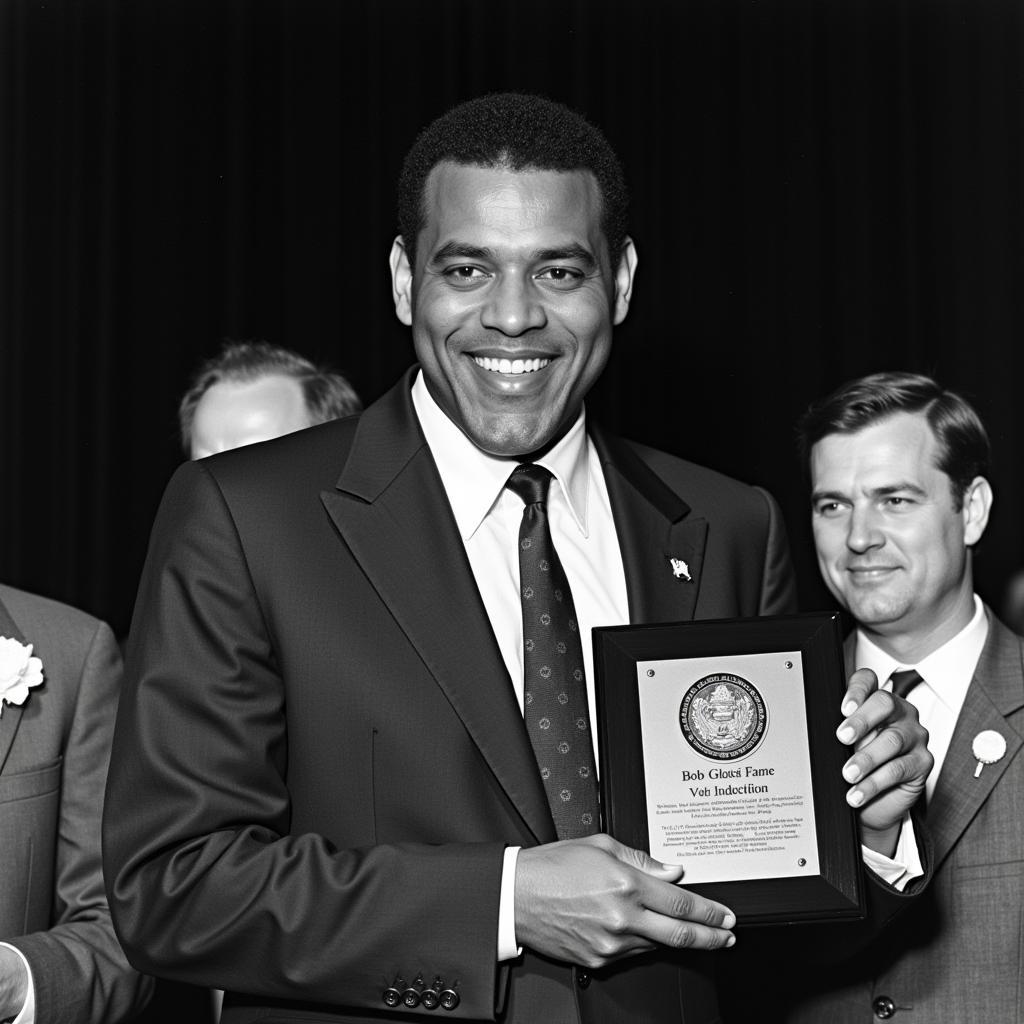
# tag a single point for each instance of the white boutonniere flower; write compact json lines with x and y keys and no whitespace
{"x":18,"y":671}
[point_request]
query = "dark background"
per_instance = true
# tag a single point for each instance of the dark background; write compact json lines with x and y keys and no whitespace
{"x":821,"y":189}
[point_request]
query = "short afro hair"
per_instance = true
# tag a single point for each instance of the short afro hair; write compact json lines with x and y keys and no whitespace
{"x":964,"y":451}
{"x":520,"y":132}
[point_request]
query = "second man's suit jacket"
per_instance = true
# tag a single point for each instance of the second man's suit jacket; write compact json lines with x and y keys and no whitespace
{"x":320,"y":758}
{"x":53,"y":764}
{"x":957,"y":956}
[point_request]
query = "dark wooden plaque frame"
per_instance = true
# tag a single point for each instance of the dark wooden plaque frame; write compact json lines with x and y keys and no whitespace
{"x":837,"y":890}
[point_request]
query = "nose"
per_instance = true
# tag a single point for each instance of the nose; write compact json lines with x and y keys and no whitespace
{"x":513,"y":306}
{"x":864,"y":532}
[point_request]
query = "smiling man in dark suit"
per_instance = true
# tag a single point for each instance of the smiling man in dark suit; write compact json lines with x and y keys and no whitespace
{"x":353,"y":768}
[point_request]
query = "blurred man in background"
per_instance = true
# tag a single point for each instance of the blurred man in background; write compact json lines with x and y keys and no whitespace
{"x":253,"y":391}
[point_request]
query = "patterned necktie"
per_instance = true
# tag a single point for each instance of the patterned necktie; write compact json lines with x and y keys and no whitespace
{"x":555,"y":692}
{"x":903,"y":682}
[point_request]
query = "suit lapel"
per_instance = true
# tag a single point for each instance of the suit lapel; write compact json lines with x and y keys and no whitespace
{"x":10,"y":718}
{"x":391,"y":510}
{"x":654,"y":526}
{"x":995,"y":692}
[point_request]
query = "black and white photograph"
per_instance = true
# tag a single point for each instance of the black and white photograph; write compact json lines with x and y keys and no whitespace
{"x":363,"y":363}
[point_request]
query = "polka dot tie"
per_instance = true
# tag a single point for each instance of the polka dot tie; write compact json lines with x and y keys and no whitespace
{"x":555,"y":691}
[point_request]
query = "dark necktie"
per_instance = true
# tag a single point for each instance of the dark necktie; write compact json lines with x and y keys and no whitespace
{"x":903,"y":682}
{"x":555,"y":692}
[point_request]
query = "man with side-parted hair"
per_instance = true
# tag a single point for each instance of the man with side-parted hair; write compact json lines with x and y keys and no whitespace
{"x":253,"y":391}
{"x":900,"y":497}
{"x":354,"y":772}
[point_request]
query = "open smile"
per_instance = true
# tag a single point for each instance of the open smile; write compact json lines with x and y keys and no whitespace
{"x":514,"y":366}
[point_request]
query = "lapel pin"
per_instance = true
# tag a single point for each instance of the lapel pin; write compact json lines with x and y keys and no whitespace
{"x":988,"y":747}
{"x":680,"y":569}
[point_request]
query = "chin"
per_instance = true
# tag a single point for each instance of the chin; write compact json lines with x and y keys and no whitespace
{"x":877,"y":613}
{"x":506,"y":449}
{"x":511,"y":443}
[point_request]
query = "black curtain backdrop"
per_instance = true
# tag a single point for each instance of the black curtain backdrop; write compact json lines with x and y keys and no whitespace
{"x":821,"y":189}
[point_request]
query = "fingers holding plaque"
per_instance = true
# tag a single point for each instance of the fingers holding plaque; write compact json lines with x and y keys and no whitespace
{"x":718,"y":753}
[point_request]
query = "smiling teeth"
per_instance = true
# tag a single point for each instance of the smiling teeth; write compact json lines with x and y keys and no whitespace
{"x":510,"y":365}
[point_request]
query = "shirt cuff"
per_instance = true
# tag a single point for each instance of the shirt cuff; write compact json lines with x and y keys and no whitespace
{"x":507,"y":948}
{"x":904,"y":865}
{"x":28,"y":1010}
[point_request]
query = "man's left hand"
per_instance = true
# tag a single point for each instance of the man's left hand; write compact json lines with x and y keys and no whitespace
{"x":891,"y":764}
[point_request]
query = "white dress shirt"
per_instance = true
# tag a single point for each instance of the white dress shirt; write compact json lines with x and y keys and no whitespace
{"x":488,"y":518}
{"x":947,"y":673}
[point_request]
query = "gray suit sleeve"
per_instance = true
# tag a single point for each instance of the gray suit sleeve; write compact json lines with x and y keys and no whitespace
{"x":81,"y":975}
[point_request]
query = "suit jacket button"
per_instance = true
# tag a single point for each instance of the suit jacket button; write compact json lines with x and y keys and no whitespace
{"x":430,"y":997}
{"x":411,"y":995}
{"x":582,"y":978}
{"x":884,"y":1007}
{"x":450,"y":997}
{"x":393,"y":994}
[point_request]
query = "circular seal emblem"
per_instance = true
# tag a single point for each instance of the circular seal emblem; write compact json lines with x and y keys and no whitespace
{"x":723,"y":716}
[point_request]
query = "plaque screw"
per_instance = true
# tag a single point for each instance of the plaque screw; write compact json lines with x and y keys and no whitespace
{"x":801,"y":862}
{"x":789,"y":664}
{"x":650,"y":671}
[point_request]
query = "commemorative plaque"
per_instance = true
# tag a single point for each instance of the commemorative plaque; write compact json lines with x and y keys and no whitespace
{"x":718,"y":752}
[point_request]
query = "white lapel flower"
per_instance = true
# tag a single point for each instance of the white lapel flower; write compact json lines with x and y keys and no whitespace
{"x":18,"y":671}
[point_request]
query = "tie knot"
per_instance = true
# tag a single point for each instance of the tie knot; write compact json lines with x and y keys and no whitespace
{"x":903,"y":682}
{"x":530,"y":482}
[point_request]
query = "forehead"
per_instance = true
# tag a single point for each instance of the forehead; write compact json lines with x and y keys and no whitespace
{"x":229,"y":403}
{"x":272,"y":388}
{"x":495,"y":205}
{"x":900,"y":448}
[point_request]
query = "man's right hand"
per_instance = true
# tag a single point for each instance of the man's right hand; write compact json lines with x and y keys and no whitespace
{"x":593,"y":901}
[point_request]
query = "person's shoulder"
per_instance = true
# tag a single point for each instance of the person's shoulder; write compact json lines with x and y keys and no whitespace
{"x":314,"y":454}
{"x":1003,"y":641}
{"x":1000,"y":669}
{"x":705,"y":490}
{"x":300,"y":447}
{"x":35,"y":614}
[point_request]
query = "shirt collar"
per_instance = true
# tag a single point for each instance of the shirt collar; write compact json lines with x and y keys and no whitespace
{"x":948,"y":670}
{"x":474,"y":479}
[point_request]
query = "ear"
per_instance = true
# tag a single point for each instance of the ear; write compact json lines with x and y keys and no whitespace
{"x":401,"y":281}
{"x":624,"y":281}
{"x":976,"y":508}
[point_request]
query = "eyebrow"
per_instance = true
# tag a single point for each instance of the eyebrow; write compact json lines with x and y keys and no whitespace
{"x":878,"y":492}
{"x":817,"y":496}
{"x":568,"y":252}
{"x":462,"y":251}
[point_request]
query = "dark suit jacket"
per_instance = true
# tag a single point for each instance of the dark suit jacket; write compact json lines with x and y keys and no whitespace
{"x":957,"y":956}
{"x":319,"y":756}
{"x":53,"y":765}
